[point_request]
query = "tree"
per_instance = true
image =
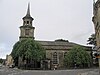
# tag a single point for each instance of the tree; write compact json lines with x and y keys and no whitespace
{"x":1,"y":60}
{"x":77,"y":56}
{"x":62,"y":40}
{"x":28,"y":50}
{"x":92,"y":40}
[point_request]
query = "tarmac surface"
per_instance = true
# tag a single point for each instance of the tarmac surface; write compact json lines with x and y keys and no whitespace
{"x":15,"y":71}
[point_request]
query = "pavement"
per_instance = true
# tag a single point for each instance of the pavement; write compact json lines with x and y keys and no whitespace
{"x":15,"y":71}
{"x":93,"y":72}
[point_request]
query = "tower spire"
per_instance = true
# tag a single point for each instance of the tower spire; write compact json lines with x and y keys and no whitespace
{"x":28,"y":13}
{"x":28,"y":10}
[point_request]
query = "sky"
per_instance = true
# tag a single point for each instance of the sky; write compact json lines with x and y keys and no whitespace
{"x":53,"y":19}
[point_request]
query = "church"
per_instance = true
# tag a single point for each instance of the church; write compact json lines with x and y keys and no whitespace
{"x":55,"y":50}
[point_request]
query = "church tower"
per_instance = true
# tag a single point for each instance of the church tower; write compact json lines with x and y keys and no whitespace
{"x":27,"y":30}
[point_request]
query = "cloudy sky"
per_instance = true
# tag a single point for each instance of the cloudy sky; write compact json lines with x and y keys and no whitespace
{"x":54,"y":19}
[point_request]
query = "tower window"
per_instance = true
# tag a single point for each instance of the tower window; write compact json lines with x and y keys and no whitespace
{"x":27,"y":22}
{"x":26,"y":31}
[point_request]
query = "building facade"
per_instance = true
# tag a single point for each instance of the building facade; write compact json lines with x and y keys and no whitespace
{"x":9,"y":61}
{"x":96,"y":21}
{"x":55,"y":50}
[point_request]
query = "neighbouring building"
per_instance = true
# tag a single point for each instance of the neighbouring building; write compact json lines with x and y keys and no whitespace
{"x":9,"y":61}
{"x":55,"y":50}
{"x":96,"y":21}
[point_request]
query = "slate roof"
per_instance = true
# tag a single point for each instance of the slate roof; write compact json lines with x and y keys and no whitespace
{"x":58,"y":45}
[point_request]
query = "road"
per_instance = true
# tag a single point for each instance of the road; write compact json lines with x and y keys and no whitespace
{"x":11,"y":71}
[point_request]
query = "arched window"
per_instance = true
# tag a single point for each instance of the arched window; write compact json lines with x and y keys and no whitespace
{"x":55,"y":59}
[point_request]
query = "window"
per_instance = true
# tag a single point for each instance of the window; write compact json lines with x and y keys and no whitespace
{"x":27,"y":22}
{"x":55,"y":60}
{"x":26,"y":31}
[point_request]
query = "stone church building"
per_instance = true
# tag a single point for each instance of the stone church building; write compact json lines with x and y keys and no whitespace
{"x":55,"y":50}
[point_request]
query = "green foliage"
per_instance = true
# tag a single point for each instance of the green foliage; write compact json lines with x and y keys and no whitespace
{"x":1,"y":60}
{"x":77,"y":56}
{"x":92,"y":40}
{"x":62,"y":40}
{"x":28,"y":49}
